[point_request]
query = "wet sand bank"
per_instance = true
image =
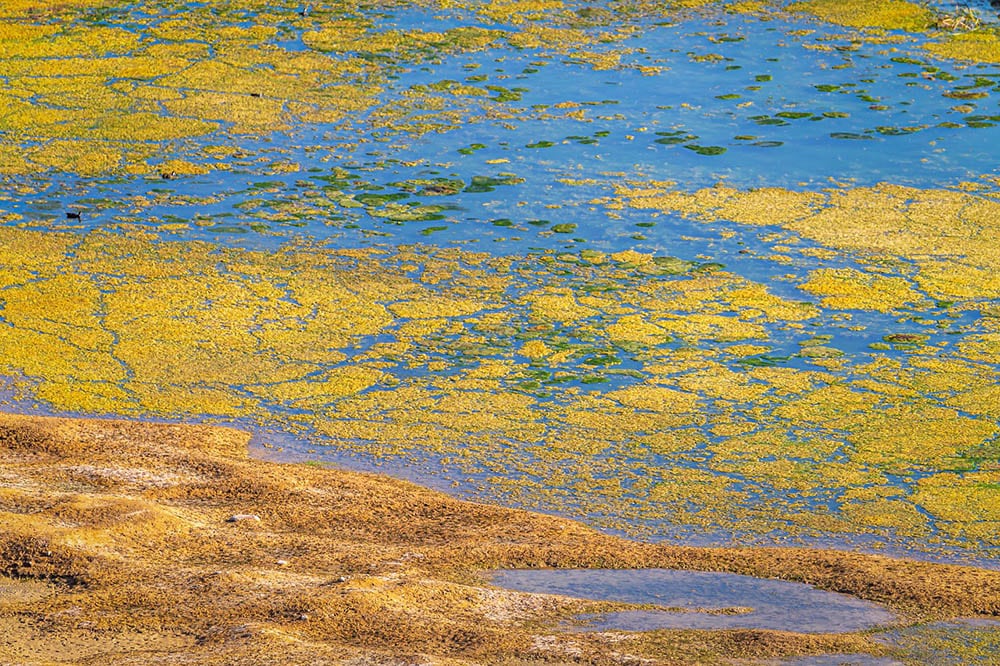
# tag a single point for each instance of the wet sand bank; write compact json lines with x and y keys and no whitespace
{"x":125,"y":542}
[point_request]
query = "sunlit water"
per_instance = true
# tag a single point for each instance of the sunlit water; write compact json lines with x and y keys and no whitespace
{"x":753,"y":603}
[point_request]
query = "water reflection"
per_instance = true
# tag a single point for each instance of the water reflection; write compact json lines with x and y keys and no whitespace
{"x":737,"y":601}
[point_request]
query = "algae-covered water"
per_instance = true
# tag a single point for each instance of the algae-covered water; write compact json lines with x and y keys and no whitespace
{"x":709,"y":272}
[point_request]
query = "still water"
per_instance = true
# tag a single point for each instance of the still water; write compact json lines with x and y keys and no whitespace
{"x":690,"y":597}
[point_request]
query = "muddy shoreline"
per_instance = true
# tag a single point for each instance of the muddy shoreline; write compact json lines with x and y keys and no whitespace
{"x":127,"y":542}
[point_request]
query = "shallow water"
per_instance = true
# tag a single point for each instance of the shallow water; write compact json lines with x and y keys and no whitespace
{"x":840,"y":660}
{"x":757,"y":603}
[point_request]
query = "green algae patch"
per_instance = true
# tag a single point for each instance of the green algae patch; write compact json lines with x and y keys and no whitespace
{"x":353,"y":36}
{"x":889,"y":15}
{"x":956,"y":642}
{"x":163,"y":542}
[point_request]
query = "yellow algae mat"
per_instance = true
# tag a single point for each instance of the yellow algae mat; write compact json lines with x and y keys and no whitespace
{"x":125,"y":542}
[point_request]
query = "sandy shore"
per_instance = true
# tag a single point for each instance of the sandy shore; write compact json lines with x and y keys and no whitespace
{"x":124,"y":542}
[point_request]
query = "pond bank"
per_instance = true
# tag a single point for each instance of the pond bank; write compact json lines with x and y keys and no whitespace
{"x":140,"y":543}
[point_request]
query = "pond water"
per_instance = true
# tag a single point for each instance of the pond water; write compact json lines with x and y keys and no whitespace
{"x":841,"y":660}
{"x":690,"y":597}
{"x":718,"y":273}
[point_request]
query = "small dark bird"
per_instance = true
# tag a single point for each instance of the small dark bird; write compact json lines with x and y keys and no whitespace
{"x":72,"y":215}
{"x":305,"y":10}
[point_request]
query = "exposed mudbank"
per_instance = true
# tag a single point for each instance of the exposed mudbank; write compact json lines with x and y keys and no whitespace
{"x":133,"y":542}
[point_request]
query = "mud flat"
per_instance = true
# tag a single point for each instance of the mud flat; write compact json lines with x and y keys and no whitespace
{"x":138,"y":543}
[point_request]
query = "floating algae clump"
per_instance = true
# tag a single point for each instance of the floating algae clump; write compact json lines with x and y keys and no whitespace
{"x":946,"y":234}
{"x":847,"y":289}
{"x":978,"y":46}
{"x":21,"y":7}
{"x":353,"y":36}
{"x":890,"y":15}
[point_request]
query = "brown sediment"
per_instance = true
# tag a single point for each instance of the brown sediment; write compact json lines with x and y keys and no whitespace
{"x":125,"y":542}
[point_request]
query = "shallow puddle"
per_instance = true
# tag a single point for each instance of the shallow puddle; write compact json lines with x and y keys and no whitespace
{"x":841,"y":660}
{"x":701,"y":600}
